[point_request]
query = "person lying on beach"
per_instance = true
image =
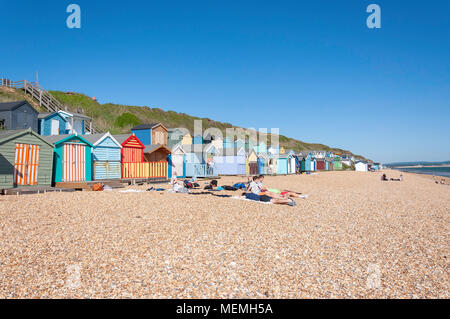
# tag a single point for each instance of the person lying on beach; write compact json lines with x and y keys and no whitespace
{"x":275,"y":192}
{"x":254,"y":192}
{"x":266,"y":198}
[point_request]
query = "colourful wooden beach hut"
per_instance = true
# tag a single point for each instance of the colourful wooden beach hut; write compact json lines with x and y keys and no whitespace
{"x":337,"y":163}
{"x":151,"y":134}
{"x":262,"y":163}
{"x":72,"y":161}
{"x":26,"y":159}
{"x":321,"y":164}
{"x":179,"y":161}
{"x":252,"y":163}
{"x":157,"y":160}
{"x":283,"y":164}
{"x":230,"y":161}
{"x":132,"y":156}
{"x":18,"y":115}
{"x":199,"y":160}
{"x":106,"y":156}
{"x":52,"y":124}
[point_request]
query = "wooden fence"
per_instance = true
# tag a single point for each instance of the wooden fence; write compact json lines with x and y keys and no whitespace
{"x":145,"y":170}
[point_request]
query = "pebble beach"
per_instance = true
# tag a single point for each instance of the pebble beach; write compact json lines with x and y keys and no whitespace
{"x":353,"y":237}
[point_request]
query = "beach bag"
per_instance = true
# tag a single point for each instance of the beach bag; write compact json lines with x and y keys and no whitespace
{"x":239,"y":186}
{"x":97,"y":187}
{"x":188,"y":184}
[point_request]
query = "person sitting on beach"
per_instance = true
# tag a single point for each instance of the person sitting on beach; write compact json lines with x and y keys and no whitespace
{"x":176,"y":187}
{"x":383,"y":177}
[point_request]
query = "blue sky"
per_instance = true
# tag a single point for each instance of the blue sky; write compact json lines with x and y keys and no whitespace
{"x":311,"y":68}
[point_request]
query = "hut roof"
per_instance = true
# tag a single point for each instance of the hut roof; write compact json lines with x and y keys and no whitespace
{"x":152,"y":148}
{"x":11,"y":106}
{"x":95,"y":139}
{"x":57,"y":139}
{"x":145,"y":126}
{"x":10,"y":134}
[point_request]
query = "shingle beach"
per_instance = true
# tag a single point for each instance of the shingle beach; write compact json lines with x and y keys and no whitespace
{"x":354,"y":237}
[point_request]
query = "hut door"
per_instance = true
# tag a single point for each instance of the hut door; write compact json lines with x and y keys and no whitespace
{"x":26,"y":164}
{"x":54,"y":127}
{"x":74,"y":167}
{"x":177,"y":161}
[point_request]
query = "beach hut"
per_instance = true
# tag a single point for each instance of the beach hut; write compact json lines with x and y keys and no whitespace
{"x":283,"y":164}
{"x":292,"y":168}
{"x":179,"y":160}
{"x":260,"y":148}
{"x":52,"y":124}
{"x":72,"y":158}
{"x":230,"y":161}
{"x":158,"y":162}
{"x":198,"y":139}
{"x":217,"y":142}
{"x":307,"y":162}
{"x":132,"y":156}
{"x":178,"y":136}
{"x":239,"y":143}
{"x":105,"y":157}
{"x":361,"y":166}
{"x":26,"y":159}
{"x":321,"y":164}
{"x":198,"y":160}
{"x":151,"y":134}
{"x":76,"y":123}
{"x":252,"y":163}
{"x":18,"y":116}
{"x":274,"y":150}
{"x":263,"y":163}
{"x":227,"y":143}
{"x":337,"y":163}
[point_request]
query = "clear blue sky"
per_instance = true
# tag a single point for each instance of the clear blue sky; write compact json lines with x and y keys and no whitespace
{"x":311,"y":68}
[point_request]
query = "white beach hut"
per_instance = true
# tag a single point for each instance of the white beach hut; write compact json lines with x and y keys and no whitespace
{"x":361,"y":167}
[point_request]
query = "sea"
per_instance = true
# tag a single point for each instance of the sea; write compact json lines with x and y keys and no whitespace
{"x":438,"y":171}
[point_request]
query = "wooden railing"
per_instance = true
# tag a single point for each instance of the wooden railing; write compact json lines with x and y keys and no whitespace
{"x":145,"y":170}
{"x":44,"y":98}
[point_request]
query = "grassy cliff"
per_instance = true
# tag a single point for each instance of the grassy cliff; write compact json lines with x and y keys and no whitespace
{"x":121,"y":118}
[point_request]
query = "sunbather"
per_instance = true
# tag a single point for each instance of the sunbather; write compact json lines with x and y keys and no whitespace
{"x":267,"y":198}
{"x":273,"y":192}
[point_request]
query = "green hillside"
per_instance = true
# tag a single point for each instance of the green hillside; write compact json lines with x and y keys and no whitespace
{"x":121,"y":118}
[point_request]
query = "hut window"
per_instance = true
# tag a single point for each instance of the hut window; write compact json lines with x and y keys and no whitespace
{"x":2,"y":125}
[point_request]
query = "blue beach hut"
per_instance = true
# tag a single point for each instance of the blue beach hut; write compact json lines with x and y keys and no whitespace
{"x":105,"y":157}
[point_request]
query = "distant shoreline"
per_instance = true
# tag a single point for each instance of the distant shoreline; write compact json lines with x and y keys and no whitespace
{"x":422,"y":166}
{"x":426,"y":175}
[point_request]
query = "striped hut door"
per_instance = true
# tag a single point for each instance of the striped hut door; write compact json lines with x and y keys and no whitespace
{"x":74,"y":163}
{"x":26,"y":164}
{"x":33,"y":164}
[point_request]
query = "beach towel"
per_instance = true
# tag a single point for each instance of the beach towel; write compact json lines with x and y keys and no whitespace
{"x":250,"y":200}
{"x":131,"y":191}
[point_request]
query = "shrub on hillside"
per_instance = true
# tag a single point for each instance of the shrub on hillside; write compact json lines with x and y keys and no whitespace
{"x":127,"y":119}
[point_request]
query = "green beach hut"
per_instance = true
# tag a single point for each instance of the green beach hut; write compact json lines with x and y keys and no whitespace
{"x":26,"y":159}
